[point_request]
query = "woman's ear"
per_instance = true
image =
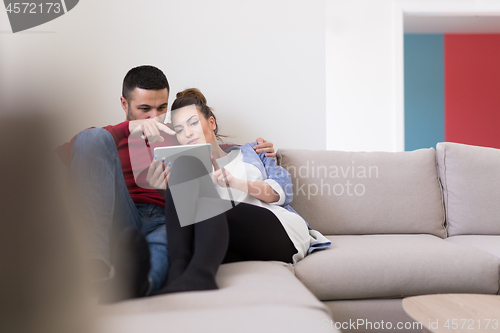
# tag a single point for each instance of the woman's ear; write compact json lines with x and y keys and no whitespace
{"x":213,"y":124}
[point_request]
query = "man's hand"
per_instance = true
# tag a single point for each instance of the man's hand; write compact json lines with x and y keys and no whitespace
{"x":149,"y":129}
{"x":158,"y":174}
{"x":264,"y":146}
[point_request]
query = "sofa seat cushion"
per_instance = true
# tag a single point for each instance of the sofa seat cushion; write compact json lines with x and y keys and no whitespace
{"x":486,"y":243}
{"x":374,"y":266}
{"x":358,"y":193}
{"x":470,"y":176}
{"x":243,"y":319}
{"x":247,"y":283}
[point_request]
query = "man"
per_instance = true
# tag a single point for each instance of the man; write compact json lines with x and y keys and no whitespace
{"x":113,"y":201}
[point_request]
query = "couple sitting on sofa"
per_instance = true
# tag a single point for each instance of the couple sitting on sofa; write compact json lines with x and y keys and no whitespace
{"x":261,"y":226}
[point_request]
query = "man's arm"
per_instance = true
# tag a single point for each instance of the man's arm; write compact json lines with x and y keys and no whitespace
{"x":264,"y":146}
{"x":150,"y":129}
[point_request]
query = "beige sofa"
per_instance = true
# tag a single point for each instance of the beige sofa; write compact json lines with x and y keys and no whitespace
{"x":401,"y":224}
{"x":421,"y":222}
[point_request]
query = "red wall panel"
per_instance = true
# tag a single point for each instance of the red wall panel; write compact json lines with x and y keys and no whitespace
{"x":472,"y":89}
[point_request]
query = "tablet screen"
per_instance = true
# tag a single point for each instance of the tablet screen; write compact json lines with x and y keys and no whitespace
{"x":201,"y":151}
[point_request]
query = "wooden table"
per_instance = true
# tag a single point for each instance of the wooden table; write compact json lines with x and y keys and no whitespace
{"x":455,"y":312}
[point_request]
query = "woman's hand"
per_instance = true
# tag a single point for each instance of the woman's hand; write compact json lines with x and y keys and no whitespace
{"x":260,"y":190}
{"x":158,"y":175}
{"x":224,"y":178}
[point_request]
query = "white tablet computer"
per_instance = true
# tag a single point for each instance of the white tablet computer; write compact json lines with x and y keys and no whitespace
{"x":201,"y":151}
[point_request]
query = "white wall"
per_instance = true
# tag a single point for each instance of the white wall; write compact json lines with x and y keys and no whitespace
{"x":359,"y":56}
{"x":260,"y":63}
{"x":364,"y":67}
{"x":322,"y":74}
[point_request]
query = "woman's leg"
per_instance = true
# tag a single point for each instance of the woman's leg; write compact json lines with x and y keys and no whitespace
{"x":211,"y":238}
{"x":255,"y":233}
{"x":196,"y":250}
{"x":179,"y":240}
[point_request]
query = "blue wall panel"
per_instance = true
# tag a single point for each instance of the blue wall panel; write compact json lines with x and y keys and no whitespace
{"x":424,"y":90}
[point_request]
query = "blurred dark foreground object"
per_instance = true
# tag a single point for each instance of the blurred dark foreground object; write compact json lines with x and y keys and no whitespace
{"x":42,"y":276}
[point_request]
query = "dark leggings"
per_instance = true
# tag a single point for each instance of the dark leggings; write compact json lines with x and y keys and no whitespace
{"x":195,"y":251}
{"x":255,"y":233}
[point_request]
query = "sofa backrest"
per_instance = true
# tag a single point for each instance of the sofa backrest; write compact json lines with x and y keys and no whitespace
{"x":470,"y":176}
{"x":366,"y":192}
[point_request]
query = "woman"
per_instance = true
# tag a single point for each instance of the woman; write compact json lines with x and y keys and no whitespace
{"x":259,"y":226}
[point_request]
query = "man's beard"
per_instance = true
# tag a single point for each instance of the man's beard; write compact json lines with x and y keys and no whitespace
{"x":130,"y":115}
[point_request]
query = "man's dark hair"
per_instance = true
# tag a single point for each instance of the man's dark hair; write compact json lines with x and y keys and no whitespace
{"x":144,"y":77}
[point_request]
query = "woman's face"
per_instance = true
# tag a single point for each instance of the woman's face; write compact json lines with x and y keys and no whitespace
{"x":191,"y":127}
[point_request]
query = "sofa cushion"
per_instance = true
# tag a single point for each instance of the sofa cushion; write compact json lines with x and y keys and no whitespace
{"x":471,"y":188}
{"x":366,"y":192}
{"x":486,"y":243}
{"x":242,"y":319}
{"x":241,"y":284}
{"x":374,"y":266}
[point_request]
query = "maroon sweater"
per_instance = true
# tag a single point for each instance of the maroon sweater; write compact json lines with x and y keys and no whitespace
{"x":142,"y":158}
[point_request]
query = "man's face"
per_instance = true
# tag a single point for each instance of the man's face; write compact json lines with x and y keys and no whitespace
{"x":145,"y":103}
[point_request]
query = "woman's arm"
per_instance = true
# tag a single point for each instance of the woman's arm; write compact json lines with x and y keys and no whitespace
{"x":260,"y":190}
